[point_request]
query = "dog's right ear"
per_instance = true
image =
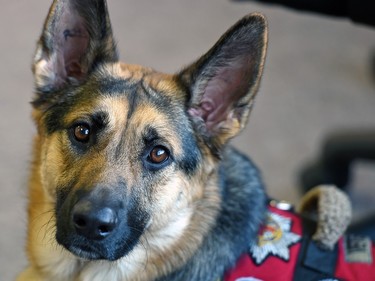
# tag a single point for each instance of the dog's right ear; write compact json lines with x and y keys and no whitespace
{"x":76,"y":37}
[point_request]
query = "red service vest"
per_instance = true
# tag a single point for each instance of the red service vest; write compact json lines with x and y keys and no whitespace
{"x":284,"y":253}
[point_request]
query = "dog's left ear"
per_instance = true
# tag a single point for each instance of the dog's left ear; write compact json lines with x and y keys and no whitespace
{"x":223,"y":83}
{"x":76,"y":37}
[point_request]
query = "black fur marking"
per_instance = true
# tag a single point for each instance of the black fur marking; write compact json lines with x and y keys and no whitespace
{"x":162,"y":102}
{"x":132,"y":222}
{"x":115,"y":86}
{"x":100,"y":119}
{"x":54,"y":117}
{"x":191,"y":157}
{"x":133,"y":100}
{"x":150,"y":135}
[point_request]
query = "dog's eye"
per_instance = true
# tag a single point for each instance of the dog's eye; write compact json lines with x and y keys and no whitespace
{"x":82,"y":133}
{"x":158,"y":154}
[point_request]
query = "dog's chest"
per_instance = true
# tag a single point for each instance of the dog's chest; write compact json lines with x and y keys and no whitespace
{"x":284,"y":251}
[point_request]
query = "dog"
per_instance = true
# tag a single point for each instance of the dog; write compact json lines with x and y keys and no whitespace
{"x":132,"y":175}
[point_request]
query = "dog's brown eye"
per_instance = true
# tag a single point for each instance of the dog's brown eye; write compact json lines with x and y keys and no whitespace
{"x":82,"y":133}
{"x":159,"y":154}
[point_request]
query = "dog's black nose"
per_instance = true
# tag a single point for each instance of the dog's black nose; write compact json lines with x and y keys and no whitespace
{"x":92,"y":221}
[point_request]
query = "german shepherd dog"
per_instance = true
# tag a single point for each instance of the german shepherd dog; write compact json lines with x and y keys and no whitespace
{"x":132,"y":176}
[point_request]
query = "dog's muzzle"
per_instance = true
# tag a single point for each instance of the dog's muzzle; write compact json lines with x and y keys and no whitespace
{"x":98,"y":224}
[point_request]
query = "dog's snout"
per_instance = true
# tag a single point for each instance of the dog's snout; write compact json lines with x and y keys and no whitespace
{"x":93,"y":221}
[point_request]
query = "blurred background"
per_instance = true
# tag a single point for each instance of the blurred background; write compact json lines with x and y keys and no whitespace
{"x":317,"y":80}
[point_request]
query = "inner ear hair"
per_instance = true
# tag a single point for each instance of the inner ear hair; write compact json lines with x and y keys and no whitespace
{"x":223,"y":83}
{"x":76,"y":37}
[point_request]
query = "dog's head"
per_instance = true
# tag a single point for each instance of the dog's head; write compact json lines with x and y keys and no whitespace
{"x":129,"y":156}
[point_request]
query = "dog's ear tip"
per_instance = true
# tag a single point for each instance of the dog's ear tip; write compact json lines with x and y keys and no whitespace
{"x":256,"y":19}
{"x":258,"y":16}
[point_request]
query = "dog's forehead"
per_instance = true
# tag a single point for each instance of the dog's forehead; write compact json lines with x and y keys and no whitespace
{"x":136,"y":97}
{"x":139,"y":91}
{"x":122,"y":92}
{"x":136,"y":75}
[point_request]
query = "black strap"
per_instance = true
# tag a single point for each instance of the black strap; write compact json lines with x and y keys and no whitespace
{"x":314,"y":264}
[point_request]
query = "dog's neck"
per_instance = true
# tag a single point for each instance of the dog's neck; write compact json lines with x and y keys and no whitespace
{"x":242,"y":211}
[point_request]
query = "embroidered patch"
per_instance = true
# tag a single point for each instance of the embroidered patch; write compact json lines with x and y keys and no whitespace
{"x":274,"y":239}
{"x":357,"y":249}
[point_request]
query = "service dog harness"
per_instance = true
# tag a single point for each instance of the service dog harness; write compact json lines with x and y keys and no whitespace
{"x":284,"y":251}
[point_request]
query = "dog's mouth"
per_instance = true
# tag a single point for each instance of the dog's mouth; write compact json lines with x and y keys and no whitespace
{"x":85,"y":252}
